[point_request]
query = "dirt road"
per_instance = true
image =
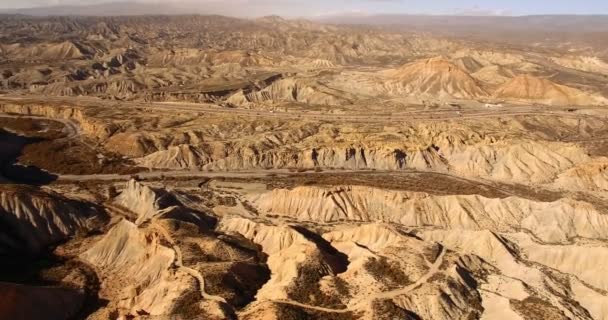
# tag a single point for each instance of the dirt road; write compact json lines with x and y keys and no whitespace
{"x":179,"y":264}
{"x":434,"y":269}
{"x":71,"y":128}
{"x":354,"y":117}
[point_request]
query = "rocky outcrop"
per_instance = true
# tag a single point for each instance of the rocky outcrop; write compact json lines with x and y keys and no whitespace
{"x":508,"y":160}
{"x":150,"y":203}
{"x":583,"y":63}
{"x":138,"y":269}
{"x":332,"y":157}
{"x":589,"y":176}
{"x":514,"y":280}
{"x":178,"y":157}
{"x":514,"y":161}
{"x":558,"y":221}
{"x":33,"y":219}
{"x":293,"y":258}
{"x":43,"y":52}
{"x":434,"y":77}
{"x":290,"y":90}
{"x":468,"y":64}
{"x":493,"y":75}
{"x":95,"y":128}
{"x":321,"y":64}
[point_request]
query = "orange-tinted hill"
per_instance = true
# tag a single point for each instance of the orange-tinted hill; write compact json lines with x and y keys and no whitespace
{"x":530,"y":88}
{"x":437,"y":77}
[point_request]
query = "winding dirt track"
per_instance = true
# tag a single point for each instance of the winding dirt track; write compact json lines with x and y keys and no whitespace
{"x":71,"y":128}
{"x":73,"y":132}
{"x":434,"y":269}
{"x":179,"y":263}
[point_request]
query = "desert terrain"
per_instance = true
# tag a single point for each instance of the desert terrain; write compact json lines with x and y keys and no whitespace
{"x":207,"y":167}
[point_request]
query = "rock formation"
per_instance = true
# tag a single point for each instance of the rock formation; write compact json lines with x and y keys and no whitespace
{"x":34,"y":219}
{"x":533,"y":89}
{"x":435,"y":77}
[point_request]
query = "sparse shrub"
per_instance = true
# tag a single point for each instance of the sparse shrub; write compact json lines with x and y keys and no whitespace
{"x":307,"y":290}
{"x":386,"y":272}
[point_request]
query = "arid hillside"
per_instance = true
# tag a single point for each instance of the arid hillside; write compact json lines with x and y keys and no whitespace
{"x":211,"y":58}
{"x":206,"y":167}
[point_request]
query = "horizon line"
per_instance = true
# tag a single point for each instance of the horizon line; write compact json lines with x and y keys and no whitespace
{"x":345,"y":14}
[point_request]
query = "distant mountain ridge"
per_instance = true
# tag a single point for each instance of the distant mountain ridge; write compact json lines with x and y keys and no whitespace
{"x":561,"y":23}
{"x":106,"y":9}
{"x":583,"y":23}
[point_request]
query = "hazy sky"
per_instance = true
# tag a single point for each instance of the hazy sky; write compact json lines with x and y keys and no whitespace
{"x":328,"y":7}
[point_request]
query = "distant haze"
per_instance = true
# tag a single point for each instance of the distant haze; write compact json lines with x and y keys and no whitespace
{"x":307,"y":8}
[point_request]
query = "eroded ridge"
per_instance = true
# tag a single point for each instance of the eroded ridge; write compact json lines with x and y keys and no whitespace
{"x":206,"y":167}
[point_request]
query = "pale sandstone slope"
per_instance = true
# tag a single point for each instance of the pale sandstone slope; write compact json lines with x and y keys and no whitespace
{"x":586,"y":262}
{"x":517,"y":279}
{"x":511,"y":277}
{"x":137,"y":267}
{"x":465,"y":153}
{"x":583,"y":63}
{"x":468,"y":64}
{"x":436,"y":77}
{"x":557,"y":221}
{"x":532,"y":89}
{"x":292,"y":257}
{"x":48,"y":51}
{"x":590,"y":176}
{"x":140,"y":199}
{"x":514,"y":161}
{"x":182,"y":157}
{"x":290,"y":90}
{"x":493,"y":75}
{"x":149,"y":203}
{"x":389,"y":267}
